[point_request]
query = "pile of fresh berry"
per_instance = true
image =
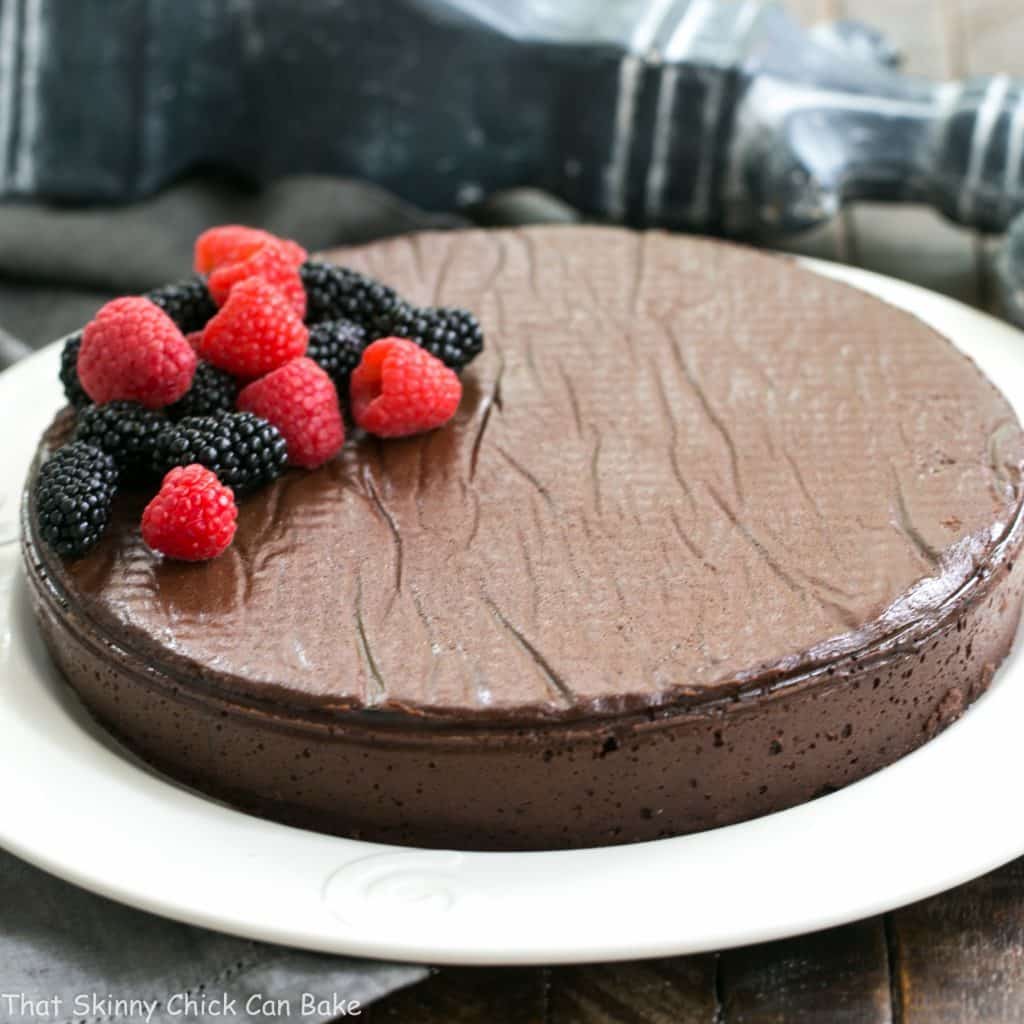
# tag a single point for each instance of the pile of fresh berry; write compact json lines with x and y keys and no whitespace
{"x":217,"y":384}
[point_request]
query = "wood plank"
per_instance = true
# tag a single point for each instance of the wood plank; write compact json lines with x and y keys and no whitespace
{"x":959,"y":957}
{"x":680,"y":990}
{"x":468,"y":995}
{"x":840,"y":976}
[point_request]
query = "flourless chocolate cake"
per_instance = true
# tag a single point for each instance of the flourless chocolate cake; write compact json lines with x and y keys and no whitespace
{"x":710,"y":535}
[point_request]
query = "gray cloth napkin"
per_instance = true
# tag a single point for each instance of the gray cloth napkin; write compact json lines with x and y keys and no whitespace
{"x":58,"y":264}
{"x":66,"y":955}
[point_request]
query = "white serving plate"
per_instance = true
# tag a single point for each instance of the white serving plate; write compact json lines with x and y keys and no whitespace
{"x":74,"y":803}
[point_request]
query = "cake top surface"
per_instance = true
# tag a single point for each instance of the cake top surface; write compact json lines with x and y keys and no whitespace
{"x":681,"y":469}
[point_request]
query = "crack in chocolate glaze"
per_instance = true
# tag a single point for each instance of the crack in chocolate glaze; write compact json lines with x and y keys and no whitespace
{"x":748,"y":535}
{"x":493,"y":401}
{"x":713,"y":417}
{"x":376,"y":690}
{"x":688,"y":542}
{"x":558,"y":685}
{"x":526,"y":475}
{"x":595,"y":473}
{"x":387,"y":516}
{"x":802,"y":484}
{"x":574,"y":404}
{"x":906,"y":526}
{"x":673,"y":436}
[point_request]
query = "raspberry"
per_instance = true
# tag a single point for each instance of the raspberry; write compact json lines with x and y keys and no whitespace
{"x":227,"y":243}
{"x":335,"y":346}
{"x":213,"y":390}
{"x":300,"y":400}
{"x":73,"y":390}
{"x":244,"y":451}
{"x":187,"y":303}
{"x":132,"y":349}
{"x":453,"y":335}
{"x":126,"y":431}
{"x":192,"y":518}
{"x":230,"y":243}
{"x":274,"y":262}
{"x":255,"y":332}
{"x":73,"y":492}
{"x":399,"y":389}
{"x":338,"y":293}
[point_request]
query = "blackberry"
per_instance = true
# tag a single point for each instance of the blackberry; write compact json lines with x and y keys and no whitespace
{"x":126,"y":431}
{"x":213,"y":390}
{"x":73,"y":493}
{"x":73,"y":390}
{"x":453,"y":335}
{"x":336,"y":346}
{"x":187,"y":303}
{"x":244,"y":450}
{"x":338,"y":293}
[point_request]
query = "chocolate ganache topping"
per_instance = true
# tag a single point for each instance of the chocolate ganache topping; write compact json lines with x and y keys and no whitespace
{"x":681,"y":471}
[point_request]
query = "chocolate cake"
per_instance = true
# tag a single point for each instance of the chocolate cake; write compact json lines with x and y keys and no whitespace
{"x":709,"y":536}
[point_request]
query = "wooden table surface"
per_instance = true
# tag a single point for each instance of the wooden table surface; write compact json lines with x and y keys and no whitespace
{"x":956,"y":957}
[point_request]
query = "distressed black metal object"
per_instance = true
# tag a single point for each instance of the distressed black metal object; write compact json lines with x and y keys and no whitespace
{"x":698,"y":114}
